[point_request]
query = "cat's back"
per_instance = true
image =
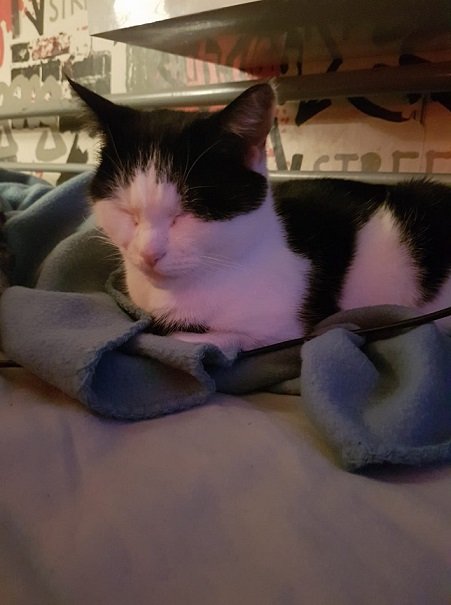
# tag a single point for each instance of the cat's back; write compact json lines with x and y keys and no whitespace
{"x":320,"y":215}
{"x":369,"y":243}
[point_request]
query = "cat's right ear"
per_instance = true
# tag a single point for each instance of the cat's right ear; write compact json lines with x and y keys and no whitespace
{"x":101,"y":115}
{"x":251,"y":115}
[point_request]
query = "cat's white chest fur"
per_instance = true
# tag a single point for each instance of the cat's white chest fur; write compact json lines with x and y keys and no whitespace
{"x":258,"y":303}
{"x":249,"y":300}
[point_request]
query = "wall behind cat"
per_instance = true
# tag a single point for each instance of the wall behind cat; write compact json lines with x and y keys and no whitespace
{"x":389,"y":133}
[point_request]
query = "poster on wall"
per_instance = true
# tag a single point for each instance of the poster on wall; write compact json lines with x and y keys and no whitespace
{"x":40,"y":40}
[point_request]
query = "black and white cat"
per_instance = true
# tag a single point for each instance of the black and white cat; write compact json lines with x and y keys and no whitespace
{"x":216,"y":254}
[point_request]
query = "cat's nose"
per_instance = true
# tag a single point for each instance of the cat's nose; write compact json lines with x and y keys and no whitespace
{"x":151,"y":257}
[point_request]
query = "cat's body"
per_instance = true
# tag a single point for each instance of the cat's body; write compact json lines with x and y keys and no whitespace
{"x":215,"y":254}
{"x":370,"y":244}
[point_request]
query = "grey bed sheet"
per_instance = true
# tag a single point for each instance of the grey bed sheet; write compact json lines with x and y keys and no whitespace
{"x":236,"y":502}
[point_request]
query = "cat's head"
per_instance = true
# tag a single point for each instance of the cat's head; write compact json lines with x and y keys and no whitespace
{"x":177,"y":190}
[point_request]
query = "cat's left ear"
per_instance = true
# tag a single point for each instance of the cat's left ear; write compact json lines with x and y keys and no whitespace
{"x":101,"y":116}
{"x":251,"y":115}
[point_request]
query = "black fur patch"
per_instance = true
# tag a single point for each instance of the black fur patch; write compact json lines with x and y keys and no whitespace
{"x":132,"y":139}
{"x":218,"y":185}
{"x":163,"y":326}
{"x":321,"y":218}
{"x":191,"y":150}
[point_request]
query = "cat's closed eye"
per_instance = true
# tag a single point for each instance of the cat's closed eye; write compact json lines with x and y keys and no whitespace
{"x":132,"y":215}
{"x":176,"y":218}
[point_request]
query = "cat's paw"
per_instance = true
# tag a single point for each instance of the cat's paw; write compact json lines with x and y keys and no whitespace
{"x":230,"y":344}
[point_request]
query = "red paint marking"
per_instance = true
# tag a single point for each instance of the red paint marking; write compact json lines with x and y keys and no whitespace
{"x":6,"y":15}
{"x":6,"y":12}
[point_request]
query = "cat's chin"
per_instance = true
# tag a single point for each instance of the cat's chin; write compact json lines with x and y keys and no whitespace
{"x":157,"y":277}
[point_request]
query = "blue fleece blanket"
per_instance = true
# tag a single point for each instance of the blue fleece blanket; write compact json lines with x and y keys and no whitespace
{"x":64,"y":319}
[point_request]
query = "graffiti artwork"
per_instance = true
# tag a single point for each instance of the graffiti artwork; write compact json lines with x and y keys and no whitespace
{"x":40,"y":40}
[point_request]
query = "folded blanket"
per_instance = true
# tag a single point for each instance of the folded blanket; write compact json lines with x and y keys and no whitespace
{"x":64,"y":319}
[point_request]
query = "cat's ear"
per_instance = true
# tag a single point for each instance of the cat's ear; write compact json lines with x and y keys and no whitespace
{"x":102,"y":115}
{"x":251,"y":115}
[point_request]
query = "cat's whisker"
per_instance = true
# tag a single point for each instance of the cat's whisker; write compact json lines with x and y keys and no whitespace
{"x":112,"y":252}
{"x":216,"y":261}
{"x":201,"y":155}
{"x":121,"y":164}
{"x":113,"y":258}
{"x":195,"y":200}
{"x":102,"y":237}
{"x":186,"y":163}
{"x":201,"y":187}
{"x":121,"y":171}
